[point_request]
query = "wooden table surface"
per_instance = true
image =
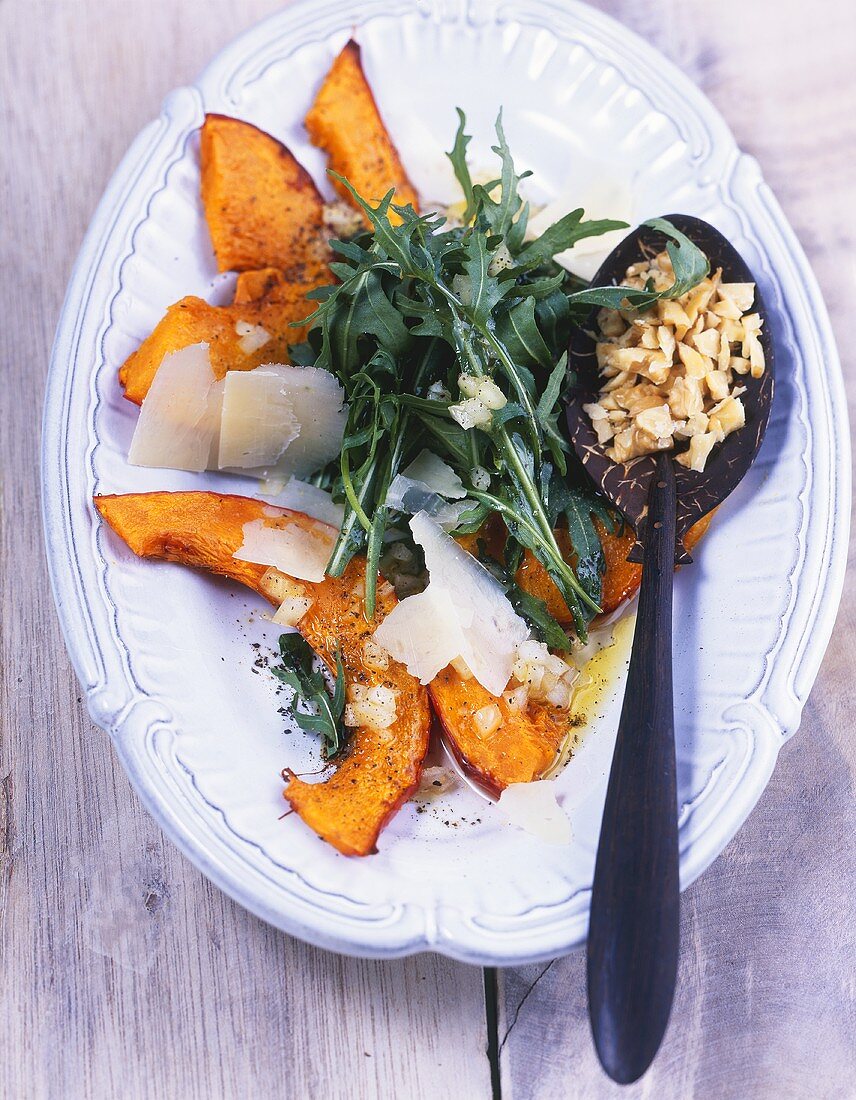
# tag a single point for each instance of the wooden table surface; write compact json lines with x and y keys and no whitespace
{"x":123,"y":973}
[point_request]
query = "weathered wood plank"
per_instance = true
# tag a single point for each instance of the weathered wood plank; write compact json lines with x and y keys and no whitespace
{"x":765,"y":1003}
{"x":122,"y":971}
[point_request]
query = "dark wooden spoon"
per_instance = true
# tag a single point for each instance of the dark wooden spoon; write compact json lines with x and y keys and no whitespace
{"x":633,"y":939}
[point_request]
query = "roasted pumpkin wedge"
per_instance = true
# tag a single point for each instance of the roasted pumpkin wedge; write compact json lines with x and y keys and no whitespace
{"x":255,"y":286}
{"x":265,"y":216}
{"x":520,"y":750}
{"x":381,"y":768}
{"x":345,"y":121}
{"x":262,"y":206}
{"x":194,"y":321}
{"x":621,"y":579}
{"x":528,"y":741}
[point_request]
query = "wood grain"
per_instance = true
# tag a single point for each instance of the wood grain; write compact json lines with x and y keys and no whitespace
{"x":765,"y":999}
{"x":122,"y":971}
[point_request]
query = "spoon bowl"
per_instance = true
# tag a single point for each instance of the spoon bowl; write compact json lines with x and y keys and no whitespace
{"x":627,"y":485}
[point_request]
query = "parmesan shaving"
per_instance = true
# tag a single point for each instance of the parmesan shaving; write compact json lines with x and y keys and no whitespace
{"x":492,"y":630}
{"x":295,"y":549}
{"x":410,"y":497}
{"x":258,"y":422}
{"x":179,"y":422}
{"x":435,"y":475}
{"x":424,"y":632}
{"x":534,"y":808}
{"x":318,"y":403}
{"x":300,"y":496}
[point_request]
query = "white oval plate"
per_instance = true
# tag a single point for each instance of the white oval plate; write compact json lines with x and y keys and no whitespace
{"x":164,"y":654}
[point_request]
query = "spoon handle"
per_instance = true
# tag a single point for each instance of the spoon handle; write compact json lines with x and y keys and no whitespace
{"x":633,"y":938}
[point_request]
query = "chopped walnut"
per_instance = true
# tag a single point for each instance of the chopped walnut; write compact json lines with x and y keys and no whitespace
{"x":669,"y":373}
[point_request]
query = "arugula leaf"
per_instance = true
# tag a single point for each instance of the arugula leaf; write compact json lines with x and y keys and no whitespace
{"x":553,"y":317}
{"x":380,"y":318}
{"x":518,"y":331}
{"x":548,"y":413}
{"x":536,"y":613}
{"x":394,"y":241}
{"x":547,"y":402}
{"x":688,"y":261}
{"x":455,"y":441}
{"x":299,"y":671}
{"x":541,"y":288}
{"x":484,"y":289}
{"x":690,"y":266}
{"x":458,"y":157}
{"x":579,"y":506}
{"x":564,"y":234}
{"x":499,"y":213}
{"x":531,"y":609}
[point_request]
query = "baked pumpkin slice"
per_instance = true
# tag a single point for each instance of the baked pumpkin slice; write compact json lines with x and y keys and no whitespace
{"x":262,"y":206}
{"x":621,"y":578}
{"x":224,"y":329}
{"x":381,"y":768}
{"x":521,"y":749}
{"x":345,"y":122}
{"x":528,"y":741}
{"x":266,"y":220}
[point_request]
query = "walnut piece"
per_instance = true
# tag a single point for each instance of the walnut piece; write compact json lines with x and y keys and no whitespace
{"x":669,"y":373}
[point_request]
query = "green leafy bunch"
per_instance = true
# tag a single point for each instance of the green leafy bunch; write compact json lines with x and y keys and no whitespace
{"x":422,"y":308}
{"x":314,"y":709}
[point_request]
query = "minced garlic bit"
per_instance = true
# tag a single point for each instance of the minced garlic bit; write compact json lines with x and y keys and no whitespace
{"x":488,"y":719}
{"x":252,"y":337}
{"x":277,"y":586}
{"x":437,"y":392}
{"x":292,"y":609}
{"x":341,"y":219}
{"x":480,"y":478}
{"x":435,"y":781}
{"x":292,"y":596}
{"x":482,"y":397}
{"x":462,"y":668}
{"x":375,"y":656}
{"x":670,"y":373}
{"x":370,"y":706}
{"x":539,"y":676}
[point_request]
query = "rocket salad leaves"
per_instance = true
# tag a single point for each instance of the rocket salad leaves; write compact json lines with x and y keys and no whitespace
{"x":319,"y":711}
{"x":453,"y":337}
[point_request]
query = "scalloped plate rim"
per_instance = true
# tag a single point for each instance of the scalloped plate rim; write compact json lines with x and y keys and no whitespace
{"x":454,"y":937}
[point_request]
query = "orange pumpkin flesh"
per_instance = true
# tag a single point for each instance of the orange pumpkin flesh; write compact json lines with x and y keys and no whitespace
{"x":621,"y":579}
{"x":528,"y":742}
{"x":262,"y":207}
{"x":265,"y":216}
{"x":194,"y":321}
{"x":253,"y":286}
{"x":345,"y":121}
{"x":519,"y":751}
{"x":381,"y":768}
